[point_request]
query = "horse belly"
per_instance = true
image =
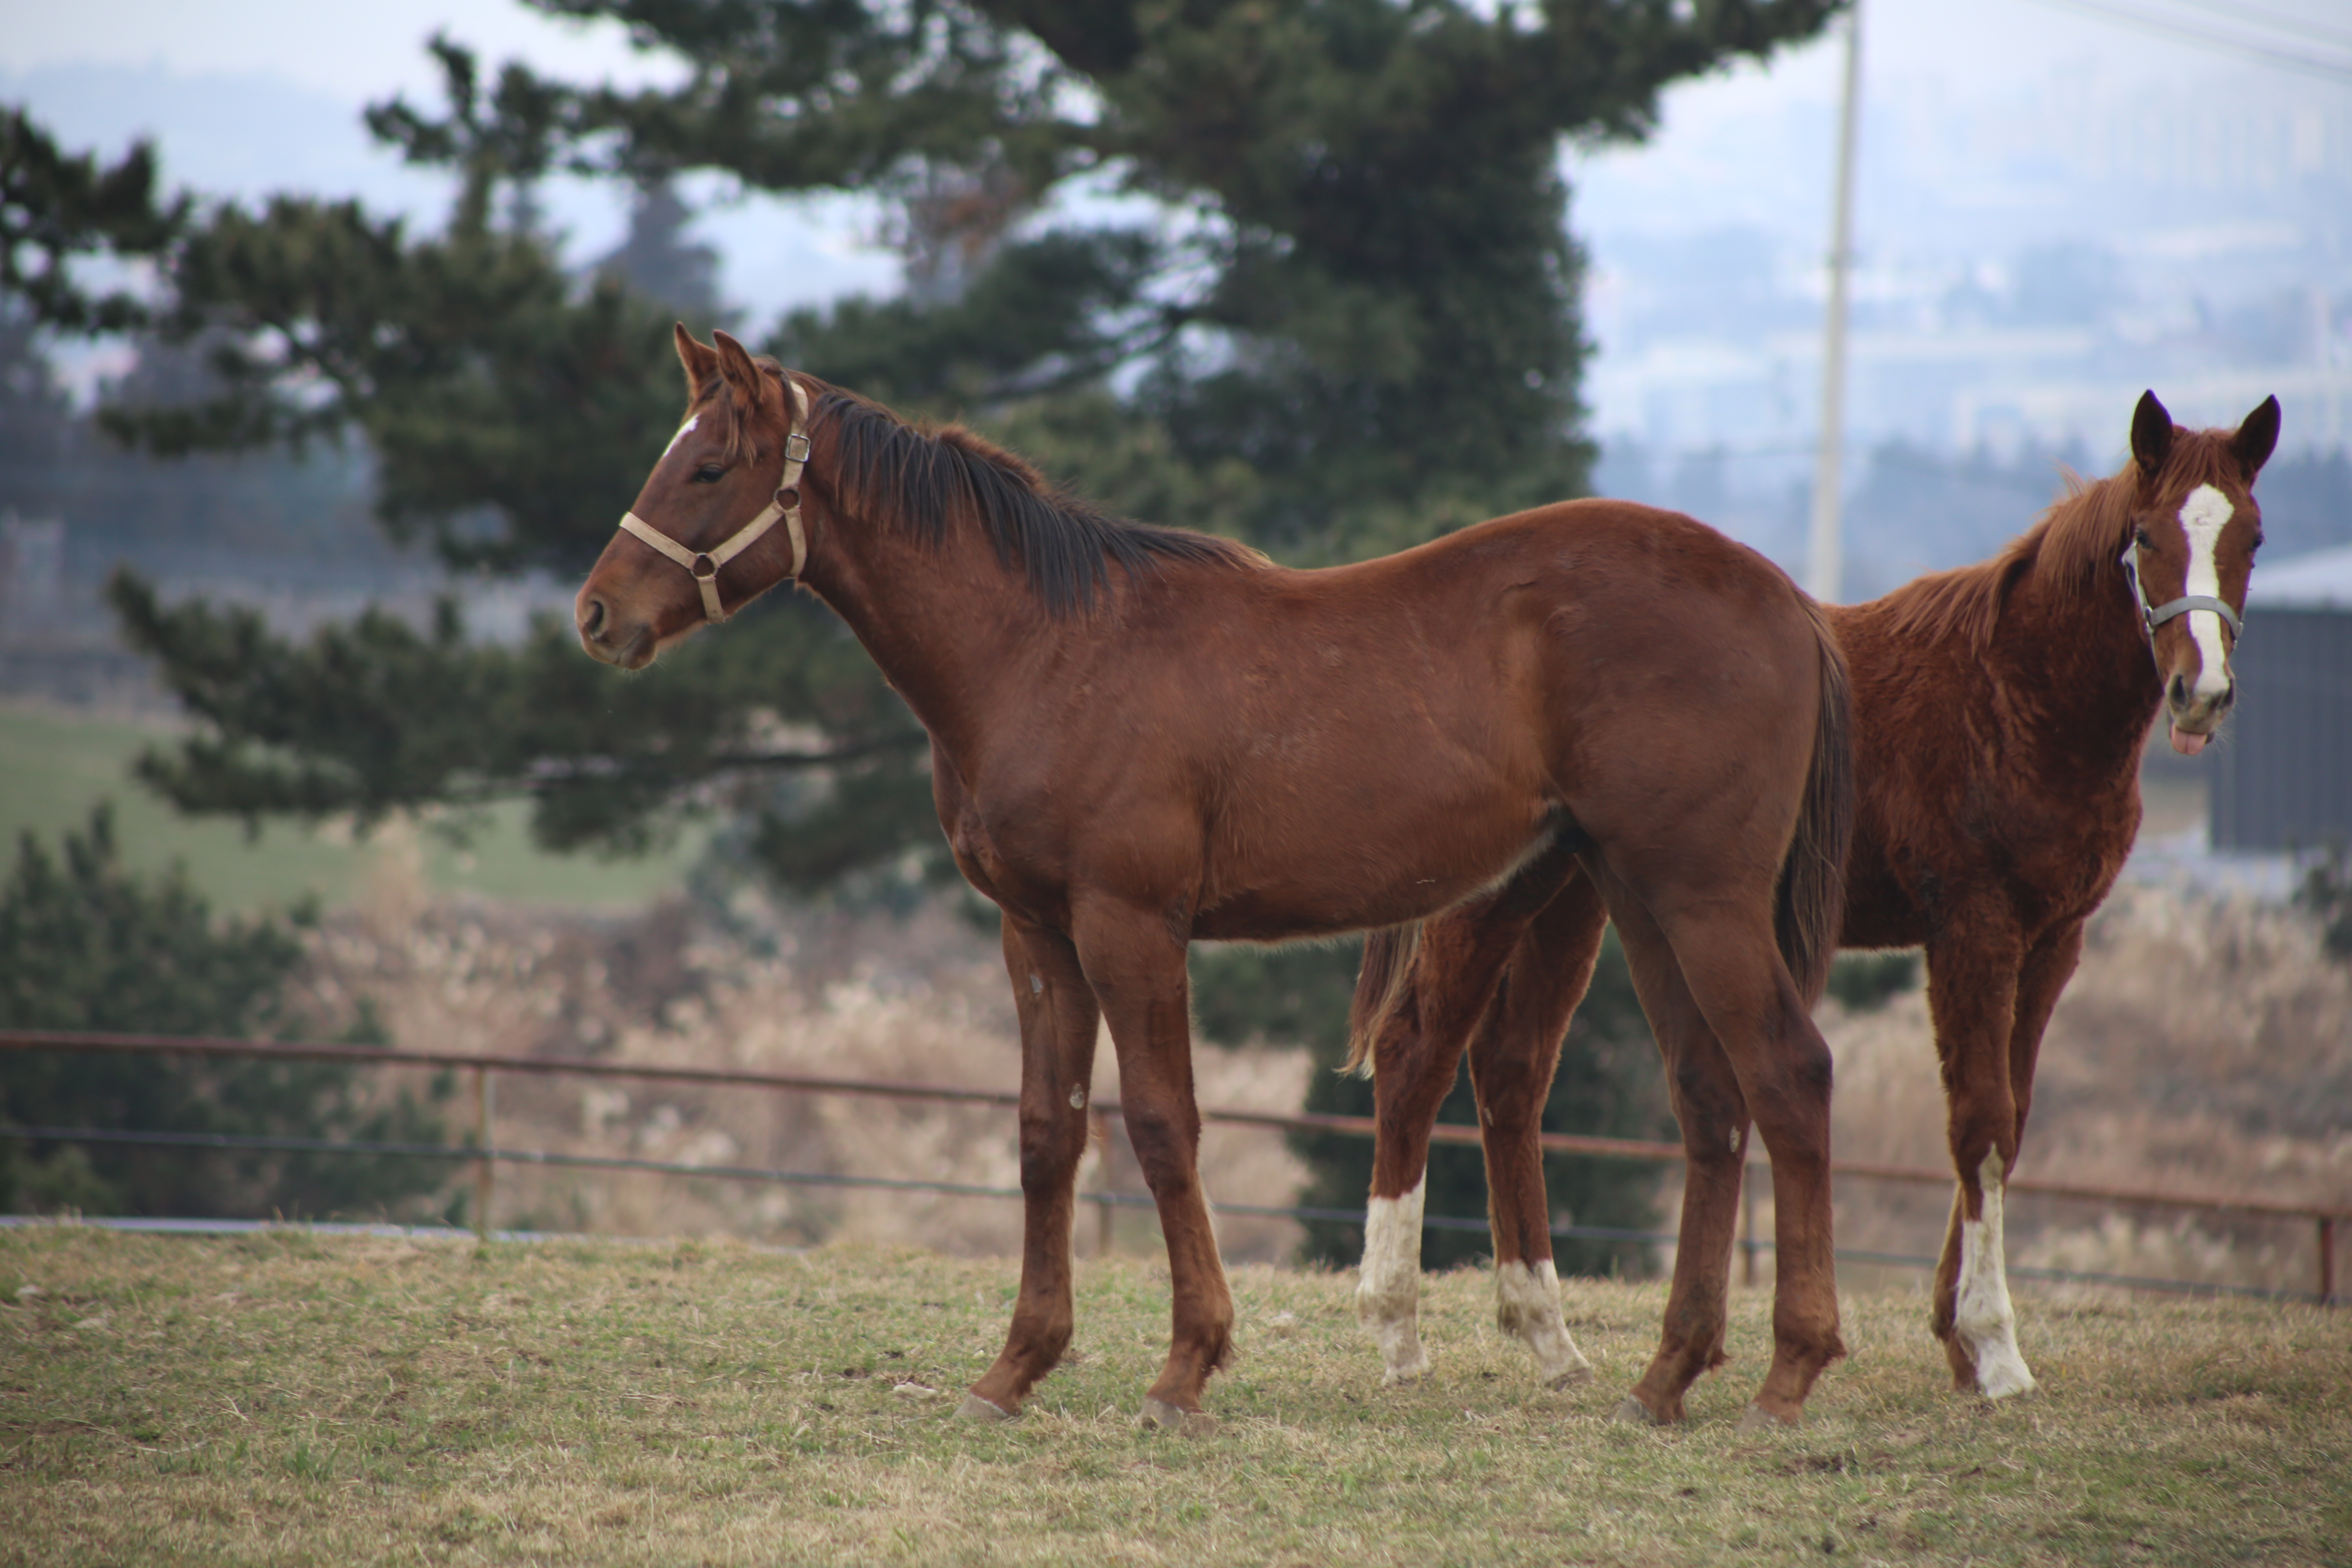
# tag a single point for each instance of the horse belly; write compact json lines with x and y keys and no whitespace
{"x":1331,"y":873}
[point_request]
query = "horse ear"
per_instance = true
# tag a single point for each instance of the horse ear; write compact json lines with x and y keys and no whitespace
{"x":735,"y":364}
{"x":2257,"y":437}
{"x":701,"y":363}
{"x":2151,"y":434}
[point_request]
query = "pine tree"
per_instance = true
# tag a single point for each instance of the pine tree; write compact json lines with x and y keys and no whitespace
{"x":1365,"y":333}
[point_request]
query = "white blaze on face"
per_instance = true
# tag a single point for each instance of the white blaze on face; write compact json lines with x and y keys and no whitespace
{"x":1526,"y":1303}
{"x":1388,"y":1291}
{"x":691,"y":421}
{"x":1982,"y":1315}
{"x":2203,"y":516}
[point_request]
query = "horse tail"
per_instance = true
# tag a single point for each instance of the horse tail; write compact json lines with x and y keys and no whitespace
{"x":1810,"y":906}
{"x":1381,"y":988}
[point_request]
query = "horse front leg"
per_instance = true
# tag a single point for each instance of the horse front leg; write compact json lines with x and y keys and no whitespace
{"x":1137,"y":970}
{"x":1991,"y":999}
{"x":1059,"y":1022}
{"x":1512,"y":1061}
{"x":1972,"y":975}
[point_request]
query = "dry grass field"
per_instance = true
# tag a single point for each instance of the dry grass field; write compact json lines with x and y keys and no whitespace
{"x":286,"y":1397}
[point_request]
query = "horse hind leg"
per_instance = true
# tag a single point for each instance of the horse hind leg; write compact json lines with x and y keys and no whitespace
{"x":1511,"y":1065}
{"x":1742,"y":987}
{"x":1449,"y":982}
{"x":1446,"y":989}
{"x":1712,"y":1113}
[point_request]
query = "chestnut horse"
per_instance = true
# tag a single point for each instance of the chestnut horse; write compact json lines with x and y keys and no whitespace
{"x":2001,"y":711}
{"x":1141,"y":736}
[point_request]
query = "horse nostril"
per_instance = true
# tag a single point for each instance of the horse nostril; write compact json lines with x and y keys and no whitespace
{"x":591,"y":618}
{"x":2178,"y":692}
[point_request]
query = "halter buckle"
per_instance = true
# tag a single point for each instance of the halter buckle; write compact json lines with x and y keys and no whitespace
{"x":796,"y":448}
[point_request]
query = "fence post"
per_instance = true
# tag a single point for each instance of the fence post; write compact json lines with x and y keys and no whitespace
{"x":1747,"y":1226}
{"x":482,"y":1163}
{"x":1102,"y":1185}
{"x":2328,"y":1260}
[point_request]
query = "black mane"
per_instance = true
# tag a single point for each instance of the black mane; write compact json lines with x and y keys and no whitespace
{"x":888,"y":469}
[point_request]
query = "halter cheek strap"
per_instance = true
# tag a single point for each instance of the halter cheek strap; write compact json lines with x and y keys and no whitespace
{"x":2154,"y":616}
{"x":705,"y":563}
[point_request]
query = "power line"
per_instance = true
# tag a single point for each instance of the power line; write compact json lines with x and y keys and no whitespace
{"x":2294,"y":27}
{"x":2310,"y":65}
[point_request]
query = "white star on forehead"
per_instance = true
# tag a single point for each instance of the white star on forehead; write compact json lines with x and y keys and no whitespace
{"x":691,"y":421}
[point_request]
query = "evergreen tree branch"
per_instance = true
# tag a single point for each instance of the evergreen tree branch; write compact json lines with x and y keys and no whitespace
{"x":57,"y":209}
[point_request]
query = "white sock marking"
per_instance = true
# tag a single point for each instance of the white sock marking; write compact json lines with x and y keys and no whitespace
{"x":1982,"y":1315}
{"x":1388,"y":1292}
{"x":1526,"y":1303}
{"x":691,"y":421}
{"x":2203,"y":516}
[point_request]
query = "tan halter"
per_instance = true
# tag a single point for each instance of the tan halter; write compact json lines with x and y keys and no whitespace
{"x":705,"y":563}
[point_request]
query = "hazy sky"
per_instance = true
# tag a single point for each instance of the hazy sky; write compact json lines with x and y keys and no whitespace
{"x":361,"y":51}
{"x":246,"y":96}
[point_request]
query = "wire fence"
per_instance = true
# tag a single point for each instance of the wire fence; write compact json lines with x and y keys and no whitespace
{"x":483,"y":1154}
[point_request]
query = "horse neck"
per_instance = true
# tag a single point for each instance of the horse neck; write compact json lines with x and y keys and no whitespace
{"x":2085,"y":655}
{"x":944,"y":620}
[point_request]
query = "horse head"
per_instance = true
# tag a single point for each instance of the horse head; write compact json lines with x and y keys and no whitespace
{"x":2195,"y":528}
{"x":701,"y":540}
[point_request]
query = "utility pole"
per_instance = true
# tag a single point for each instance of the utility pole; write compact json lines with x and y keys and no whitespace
{"x":1825,"y":564}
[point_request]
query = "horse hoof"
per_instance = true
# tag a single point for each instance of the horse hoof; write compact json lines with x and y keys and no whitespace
{"x":1759,"y":1420}
{"x":1581,"y":1373}
{"x":1167,"y":1417}
{"x":2008,"y":1393}
{"x":975,"y":1409}
{"x":1633,"y":1413}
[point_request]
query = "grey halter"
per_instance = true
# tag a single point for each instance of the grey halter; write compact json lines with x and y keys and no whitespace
{"x":2154,"y":616}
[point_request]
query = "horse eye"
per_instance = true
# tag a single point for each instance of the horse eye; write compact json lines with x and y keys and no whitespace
{"x":709,"y":474}
{"x":2139,"y":537}
{"x":2257,"y":544}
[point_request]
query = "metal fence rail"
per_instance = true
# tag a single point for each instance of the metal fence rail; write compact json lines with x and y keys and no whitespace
{"x":485,"y":1156}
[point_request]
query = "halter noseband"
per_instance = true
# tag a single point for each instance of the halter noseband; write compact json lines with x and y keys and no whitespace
{"x":704,"y":564}
{"x":2154,"y":616}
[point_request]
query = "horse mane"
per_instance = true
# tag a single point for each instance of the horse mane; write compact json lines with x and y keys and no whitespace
{"x":925,"y":481}
{"x":2066,"y":550}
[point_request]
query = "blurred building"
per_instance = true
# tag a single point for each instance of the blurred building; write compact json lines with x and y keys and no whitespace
{"x":32,"y":573}
{"x":2286,"y":776}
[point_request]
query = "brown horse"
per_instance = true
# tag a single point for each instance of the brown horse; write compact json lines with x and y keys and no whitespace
{"x":2000,"y":711}
{"x":1142,"y":736}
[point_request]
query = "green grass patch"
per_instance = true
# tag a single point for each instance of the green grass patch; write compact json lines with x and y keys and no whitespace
{"x":338,"y":1400}
{"x":54,"y":767}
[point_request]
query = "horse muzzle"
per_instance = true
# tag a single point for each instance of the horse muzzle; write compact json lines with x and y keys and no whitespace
{"x":2195,"y":715}
{"x":605,"y":640}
